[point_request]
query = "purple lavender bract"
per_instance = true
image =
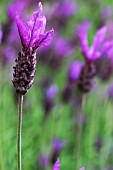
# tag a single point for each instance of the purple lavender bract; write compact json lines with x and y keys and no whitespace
{"x":56,"y":165}
{"x":32,"y":36}
{"x":99,"y":46}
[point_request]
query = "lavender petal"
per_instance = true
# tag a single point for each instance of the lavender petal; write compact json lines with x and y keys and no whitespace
{"x":22,"y":31}
{"x":56,"y":165}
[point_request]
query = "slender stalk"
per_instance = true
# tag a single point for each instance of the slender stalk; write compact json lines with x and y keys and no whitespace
{"x":80,"y":121}
{"x":20,"y":103}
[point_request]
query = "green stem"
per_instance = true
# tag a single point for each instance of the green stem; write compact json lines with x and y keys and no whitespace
{"x":20,"y":103}
{"x":80,"y":120}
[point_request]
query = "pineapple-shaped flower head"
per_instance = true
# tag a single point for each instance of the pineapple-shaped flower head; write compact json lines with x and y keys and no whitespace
{"x":32,"y":36}
{"x":98,"y":48}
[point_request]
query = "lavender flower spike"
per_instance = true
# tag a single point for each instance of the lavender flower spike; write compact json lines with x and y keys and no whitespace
{"x":56,"y":165}
{"x":96,"y":50}
{"x":32,"y":35}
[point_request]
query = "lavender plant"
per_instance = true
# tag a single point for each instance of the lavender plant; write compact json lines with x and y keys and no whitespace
{"x":88,"y":71}
{"x":62,"y":15}
{"x":98,"y":48}
{"x":32,"y":36}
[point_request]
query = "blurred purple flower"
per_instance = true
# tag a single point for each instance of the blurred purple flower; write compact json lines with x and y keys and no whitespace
{"x":57,"y":145}
{"x":51,"y":91}
{"x":62,"y":47}
{"x":17,"y":6}
{"x":12,"y":37}
{"x":56,"y":165}
{"x":110,"y":30}
{"x":85,"y":25}
{"x":106,"y":13}
{"x":98,"y":48}
{"x":75,"y":69}
{"x":65,"y":8}
{"x":1,"y":35}
{"x":43,"y":161}
{"x":110,"y":91}
{"x":9,"y":53}
{"x":32,"y":35}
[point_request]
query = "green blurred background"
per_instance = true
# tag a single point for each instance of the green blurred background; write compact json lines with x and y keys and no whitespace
{"x":38,"y":133}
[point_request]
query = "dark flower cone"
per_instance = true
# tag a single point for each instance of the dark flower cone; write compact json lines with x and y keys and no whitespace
{"x":23,"y":76}
{"x":86,"y":79}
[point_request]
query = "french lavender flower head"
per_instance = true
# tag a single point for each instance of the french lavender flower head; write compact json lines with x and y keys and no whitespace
{"x":98,"y":48}
{"x":32,"y":36}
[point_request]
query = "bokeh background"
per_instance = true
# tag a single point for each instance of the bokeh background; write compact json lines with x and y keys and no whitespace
{"x":51,"y":107}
